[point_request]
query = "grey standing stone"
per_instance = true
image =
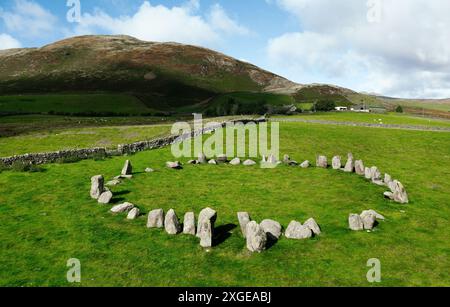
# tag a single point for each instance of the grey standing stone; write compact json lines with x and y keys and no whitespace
{"x":322,"y":162}
{"x":127,"y":169}
{"x":212,"y":162}
{"x":272,"y":229}
{"x":105,"y":198}
{"x":298,"y":231}
{"x":374,"y":213}
{"x":387,"y":179}
{"x":222,"y":158}
{"x":235,"y":161}
{"x":97,"y":186}
{"x":312,"y":224}
{"x":244,"y":219}
{"x":305,"y":164}
{"x":368,"y":173}
{"x":125,"y":207}
{"x":336,"y":162}
{"x":189,"y":224}
{"x":174,"y":165}
{"x":359,"y":167}
{"x":133,"y":214}
{"x":256,"y":237}
{"x":205,"y":228}
{"x":375,"y":174}
{"x":272,"y":159}
{"x":350,"y":165}
{"x":369,"y":221}
{"x":156,"y":219}
{"x":249,"y":163}
{"x":399,"y":194}
{"x":202,"y":159}
{"x":171,"y":223}
{"x":355,"y":222}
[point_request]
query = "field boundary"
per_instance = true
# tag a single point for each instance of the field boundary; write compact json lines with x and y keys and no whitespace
{"x":122,"y":149}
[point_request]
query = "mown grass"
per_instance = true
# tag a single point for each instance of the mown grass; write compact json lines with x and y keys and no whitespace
{"x":371,"y":118}
{"x":48,"y":217}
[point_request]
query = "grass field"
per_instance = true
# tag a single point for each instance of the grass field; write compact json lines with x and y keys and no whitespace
{"x":74,"y":104}
{"x":371,"y":118}
{"x":48,"y":217}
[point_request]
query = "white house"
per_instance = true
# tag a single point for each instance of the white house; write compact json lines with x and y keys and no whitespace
{"x":341,"y":109}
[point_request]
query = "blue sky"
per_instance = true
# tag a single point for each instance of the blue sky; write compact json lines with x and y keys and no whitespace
{"x":398,"y":48}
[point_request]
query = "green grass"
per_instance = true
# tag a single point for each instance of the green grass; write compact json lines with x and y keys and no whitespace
{"x":74,"y":103}
{"x":48,"y":217}
{"x":371,"y":118}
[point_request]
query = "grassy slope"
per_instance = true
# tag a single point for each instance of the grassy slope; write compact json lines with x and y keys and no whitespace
{"x":45,"y":224}
{"x":387,"y":119}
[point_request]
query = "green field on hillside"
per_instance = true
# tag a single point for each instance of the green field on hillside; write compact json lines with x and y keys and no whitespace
{"x":48,"y":217}
{"x":74,"y":104}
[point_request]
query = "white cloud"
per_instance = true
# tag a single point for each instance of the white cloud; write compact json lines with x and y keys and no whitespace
{"x":29,"y":19}
{"x":8,"y":42}
{"x":406,"y":53}
{"x":181,"y":24}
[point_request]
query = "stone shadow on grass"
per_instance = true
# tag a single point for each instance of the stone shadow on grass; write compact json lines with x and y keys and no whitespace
{"x":271,"y":241}
{"x":222,"y":233}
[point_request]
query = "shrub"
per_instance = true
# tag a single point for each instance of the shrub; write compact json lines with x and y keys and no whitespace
{"x":25,"y":167}
{"x":399,"y":109}
{"x":325,"y":105}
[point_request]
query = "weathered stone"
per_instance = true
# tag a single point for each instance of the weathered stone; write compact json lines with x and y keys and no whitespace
{"x":134,"y":213}
{"x":205,"y":227}
{"x":212,"y":162}
{"x":355,"y":222}
{"x":369,"y":221}
{"x":298,"y":231}
{"x":375,"y":173}
{"x":189,"y":224}
{"x":156,"y":219}
{"x":389,"y":195}
{"x":399,"y":193}
{"x":264,"y":159}
{"x":202,"y":159}
{"x":305,"y":164}
{"x":272,"y":229}
{"x":368,"y":173}
{"x":127,"y":169}
{"x":272,"y":159}
{"x":244,"y":219}
{"x":256,"y":237}
{"x":359,"y":167}
{"x":97,"y":186}
{"x":113,"y":182}
{"x":312,"y":224}
{"x":222,"y":158}
{"x":322,"y":162}
{"x":336,"y":162}
{"x":235,"y":161}
{"x":105,"y":198}
{"x":378,"y":182}
{"x":350,"y":165}
{"x":387,"y":179}
{"x":149,"y":170}
{"x":286,"y":159}
{"x":171,"y":223}
{"x":174,"y":165}
{"x":249,"y":163}
{"x":374,"y":213}
{"x":125,"y":207}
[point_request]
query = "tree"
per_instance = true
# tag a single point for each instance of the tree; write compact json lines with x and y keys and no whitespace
{"x":399,"y":109}
{"x":325,"y":105}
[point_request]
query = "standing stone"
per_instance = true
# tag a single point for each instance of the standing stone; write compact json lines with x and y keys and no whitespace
{"x":171,"y":223}
{"x":322,"y":162}
{"x":189,"y":224}
{"x":97,"y":186}
{"x":212,"y":162}
{"x":399,"y":193}
{"x":125,"y":207}
{"x":105,"y":198}
{"x":286,"y":159}
{"x":336,"y":162}
{"x":134,"y":214}
{"x":174,"y":165}
{"x":205,"y":228}
{"x":305,"y":164}
{"x":156,"y":219}
{"x":127,"y":169}
{"x":235,"y":161}
{"x":256,"y":237}
{"x":368,"y":221}
{"x":244,"y":219}
{"x":312,"y":224}
{"x":249,"y":163}
{"x":350,"y":165}
{"x":298,"y":231}
{"x":272,"y":159}
{"x":387,"y":179}
{"x":355,"y":222}
{"x":375,"y":174}
{"x":368,"y":173}
{"x":222,"y":158}
{"x":202,"y":159}
{"x":374,"y":213}
{"x":271,"y":228}
{"x":359,"y":168}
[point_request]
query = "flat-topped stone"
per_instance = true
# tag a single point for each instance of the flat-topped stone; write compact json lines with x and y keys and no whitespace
{"x":297,"y":231}
{"x":125,"y":207}
{"x":156,"y":219}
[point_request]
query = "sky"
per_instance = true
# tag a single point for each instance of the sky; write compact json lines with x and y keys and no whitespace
{"x":398,"y":48}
